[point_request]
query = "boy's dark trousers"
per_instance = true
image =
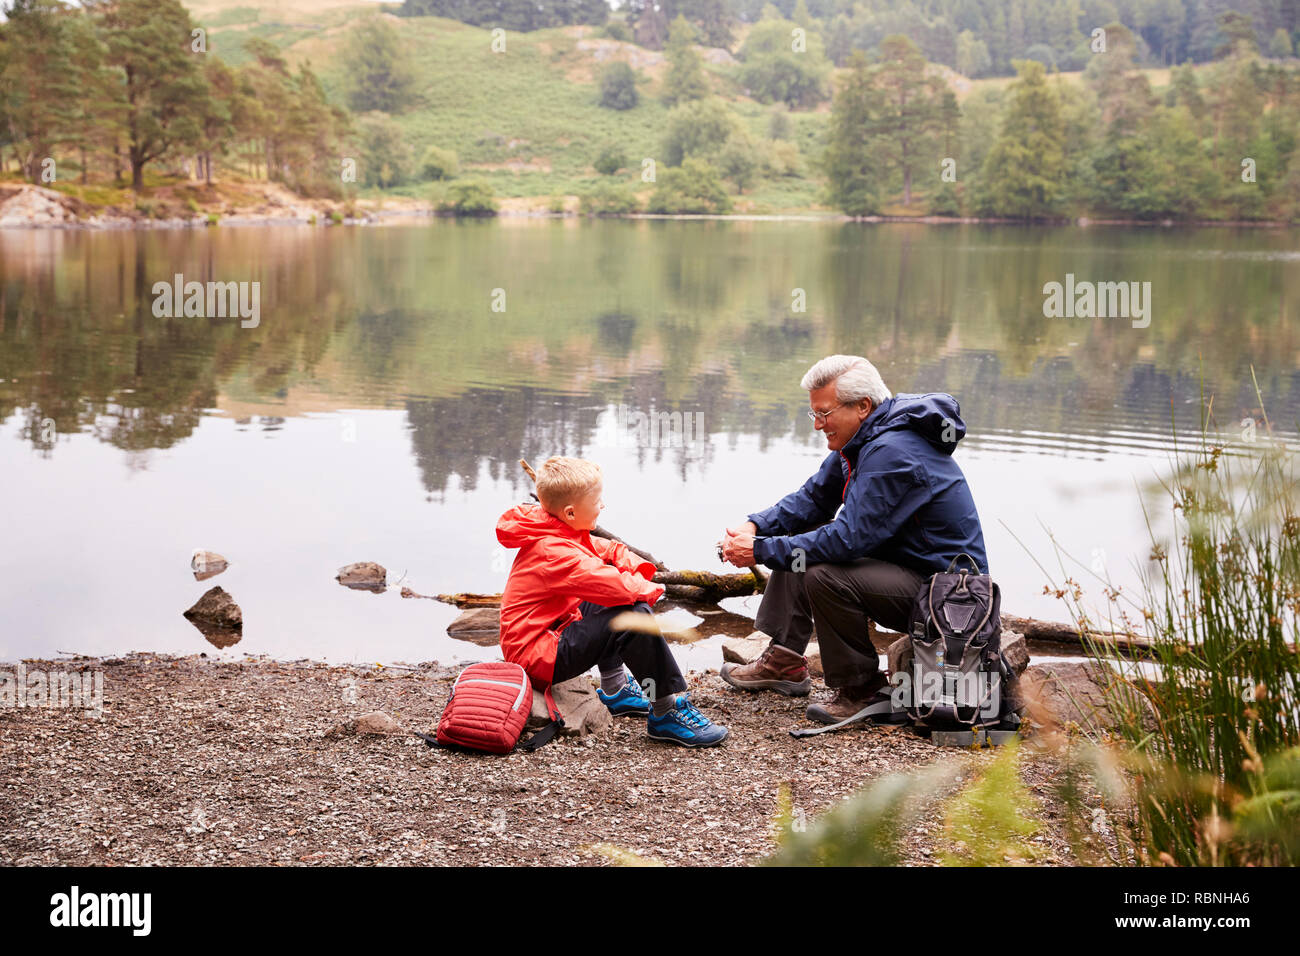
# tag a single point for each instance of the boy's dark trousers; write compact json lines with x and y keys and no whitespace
{"x":591,"y":642}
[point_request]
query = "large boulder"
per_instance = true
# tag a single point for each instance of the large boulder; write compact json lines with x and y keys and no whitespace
{"x":578,"y":704}
{"x":1072,"y":694}
{"x":478,"y":625}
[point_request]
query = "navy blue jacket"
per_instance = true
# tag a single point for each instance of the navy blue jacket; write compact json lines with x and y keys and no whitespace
{"x":905,"y":500}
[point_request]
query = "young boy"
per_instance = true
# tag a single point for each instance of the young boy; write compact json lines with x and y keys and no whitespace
{"x":565,"y":589}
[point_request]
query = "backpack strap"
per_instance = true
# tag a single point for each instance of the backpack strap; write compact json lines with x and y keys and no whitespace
{"x":872,"y":709}
{"x":544,"y":736}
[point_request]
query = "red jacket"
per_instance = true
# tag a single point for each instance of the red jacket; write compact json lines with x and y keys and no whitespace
{"x":555,"y":570}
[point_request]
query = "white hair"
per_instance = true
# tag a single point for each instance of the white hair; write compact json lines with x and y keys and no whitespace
{"x":855,"y":379}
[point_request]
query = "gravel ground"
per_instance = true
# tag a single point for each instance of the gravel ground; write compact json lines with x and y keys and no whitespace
{"x":232,"y":763}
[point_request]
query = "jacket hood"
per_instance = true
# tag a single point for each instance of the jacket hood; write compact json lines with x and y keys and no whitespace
{"x":935,"y":416}
{"x":525,"y":523}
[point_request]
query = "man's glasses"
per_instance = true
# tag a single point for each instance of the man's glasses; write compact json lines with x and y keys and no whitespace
{"x":816,"y":417}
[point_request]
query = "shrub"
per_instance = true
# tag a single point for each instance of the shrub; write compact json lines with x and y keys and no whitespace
{"x":782,"y":159}
{"x":469,"y":198}
{"x":609,"y":199}
{"x":618,"y":87}
{"x":611,"y":160}
{"x":694,"y":187}
{"x":617,"y":30}
{"x":439,"y":164}
{"x":697,"y":128}
{"x":945,"y":202}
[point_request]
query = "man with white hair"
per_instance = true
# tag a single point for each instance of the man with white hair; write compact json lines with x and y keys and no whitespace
{"x":887,"y":508}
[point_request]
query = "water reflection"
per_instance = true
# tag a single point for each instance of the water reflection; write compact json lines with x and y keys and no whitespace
{"x":379,"y":348}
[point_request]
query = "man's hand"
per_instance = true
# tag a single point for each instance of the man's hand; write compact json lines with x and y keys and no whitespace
{"x":738,"y":548}
{"x":748,"y":528}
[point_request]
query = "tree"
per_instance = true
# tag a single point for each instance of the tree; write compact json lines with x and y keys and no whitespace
{"x":784,"y":63}
{"x":698,"y":128}
{"x":385,"y":154}
{"x":902,"y":127}
{"x":439,"y":163}
{"x":377,"y":70}
{"x":39,"y":93}
{"x":1023,"y":174}
{"x":685,"y":78}
{"x":738,"y":162}
{"x":972,"y":55}
{"x":150,"y":42}
{"x":852,"y":182}
{"x":1280,"y":47}
{"x":618,"y":87}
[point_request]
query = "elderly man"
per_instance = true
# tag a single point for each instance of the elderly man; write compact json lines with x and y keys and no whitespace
{"x":904,"y":512}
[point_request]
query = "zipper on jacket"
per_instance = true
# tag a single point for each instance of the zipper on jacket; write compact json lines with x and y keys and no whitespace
{"x":845,"y":490}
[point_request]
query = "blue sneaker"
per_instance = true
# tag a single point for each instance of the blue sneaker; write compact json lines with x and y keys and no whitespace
{"x":628,"y":700}
{"x":686,"y":726}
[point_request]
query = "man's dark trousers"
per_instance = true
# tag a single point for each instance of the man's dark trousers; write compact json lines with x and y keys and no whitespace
{"x":591,"y":642}
{"x":841,"y":599}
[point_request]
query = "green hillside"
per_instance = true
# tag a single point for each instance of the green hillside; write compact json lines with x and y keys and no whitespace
{"x":526,"y":121}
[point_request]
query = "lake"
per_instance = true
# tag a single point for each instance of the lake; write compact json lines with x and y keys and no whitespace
{"x":397,"y":373}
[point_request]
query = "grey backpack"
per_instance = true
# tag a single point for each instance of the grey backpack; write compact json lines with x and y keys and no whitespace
{"x":957,"y":676}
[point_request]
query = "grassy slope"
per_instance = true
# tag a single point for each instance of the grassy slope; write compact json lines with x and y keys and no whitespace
{"x":526,"y":121}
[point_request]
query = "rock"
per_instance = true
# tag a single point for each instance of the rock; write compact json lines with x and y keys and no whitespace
{"x":478,"y":625}
{"x":476,"y":619}
{"x":899,"y":655}
{"x":813,"y":655}
{"x":35,"y":206}
{"x":217,"y":608}
{"x":207,"y":564}
{"x":743,"y":650}
{"x":581,"y":709}
{"x":375,"y":722}
{"x":1016,"y":651}
{"x":378,"y":722}
{"x":1072,"y":692}
{"x":363,"y":576}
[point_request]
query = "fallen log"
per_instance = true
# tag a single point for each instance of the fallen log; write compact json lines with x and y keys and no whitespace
{"x":1052,"y":631}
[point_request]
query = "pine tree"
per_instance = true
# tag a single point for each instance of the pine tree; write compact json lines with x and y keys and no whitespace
{"x":901,"y":132}
{"x":1023,"y":174}
{"x":852,"y":182}
{"x":685,"y":79}
{"x":149,"y":41}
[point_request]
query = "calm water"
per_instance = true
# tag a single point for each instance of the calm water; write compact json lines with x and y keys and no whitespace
{"x":378,"y":410}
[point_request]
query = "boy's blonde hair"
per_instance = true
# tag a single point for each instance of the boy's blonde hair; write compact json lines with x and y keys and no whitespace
{"x":562,"y":481}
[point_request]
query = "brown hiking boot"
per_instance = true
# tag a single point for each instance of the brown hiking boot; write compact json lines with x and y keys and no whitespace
{"x":848,"y":701}
{"x":777,"y":668}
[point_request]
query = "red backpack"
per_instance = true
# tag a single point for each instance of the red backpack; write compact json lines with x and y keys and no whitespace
{"x":490,"y":703}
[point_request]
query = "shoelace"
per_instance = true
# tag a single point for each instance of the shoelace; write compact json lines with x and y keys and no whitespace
{"x":691,"y":716}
